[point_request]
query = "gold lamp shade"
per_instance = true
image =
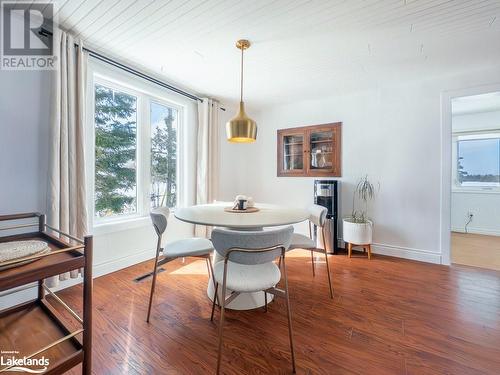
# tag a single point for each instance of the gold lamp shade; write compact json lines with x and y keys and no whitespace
{"x":241,"y":128}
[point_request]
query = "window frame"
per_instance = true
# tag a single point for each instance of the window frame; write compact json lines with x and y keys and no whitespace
{"x":146,"y":94}
{"x":467,"y":136}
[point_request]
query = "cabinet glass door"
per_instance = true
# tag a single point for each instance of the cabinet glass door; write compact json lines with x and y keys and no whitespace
{"x":293,"y":152}
{"x":322,"y":150}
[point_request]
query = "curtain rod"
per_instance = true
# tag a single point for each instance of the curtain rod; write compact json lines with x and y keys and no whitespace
{"x":117,"y":64}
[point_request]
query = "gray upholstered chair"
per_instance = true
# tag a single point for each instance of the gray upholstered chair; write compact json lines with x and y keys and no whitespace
{"x":190,"y":247}
{"x":248,"y":266}
{"x":299,"y":241}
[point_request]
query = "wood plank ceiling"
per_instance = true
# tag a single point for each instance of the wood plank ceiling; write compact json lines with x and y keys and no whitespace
{"x":301,"y":48}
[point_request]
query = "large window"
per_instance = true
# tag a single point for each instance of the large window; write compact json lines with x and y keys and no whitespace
{"x":478,"y":161}
{"x":135,"y":151}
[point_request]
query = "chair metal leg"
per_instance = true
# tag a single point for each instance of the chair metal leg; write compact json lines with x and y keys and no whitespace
{"x":312,"y":261}
{"x":211,"y":272}
{"x":221,"y":324}
{"x":265,"y":301}
{"x":208,"y":267}
{"x":153,"y":282}
{"x":312,"y":255}
{"x":213,"y":302}
{"x":211,"y":268}
{"x":327,"y":265}
{"x":329,"y":277}
{"x":289,"y":315}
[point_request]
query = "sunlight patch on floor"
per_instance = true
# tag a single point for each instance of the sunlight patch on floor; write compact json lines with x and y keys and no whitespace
{"x":298,"y":253}
{"x":198,"y":267}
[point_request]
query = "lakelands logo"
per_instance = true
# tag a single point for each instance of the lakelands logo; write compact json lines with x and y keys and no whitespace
{"x":23,"y":48}
{"x":9,"y":361}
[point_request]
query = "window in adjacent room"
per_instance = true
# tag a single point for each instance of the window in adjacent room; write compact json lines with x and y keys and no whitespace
{"x":478,"y":161}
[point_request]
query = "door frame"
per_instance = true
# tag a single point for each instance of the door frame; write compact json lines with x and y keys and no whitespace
{"x":446,"y":162}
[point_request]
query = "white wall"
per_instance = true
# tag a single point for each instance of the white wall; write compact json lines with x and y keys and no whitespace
{"x":485,"y":206}
{"x":391,"y":133}
{"x":24,"y":127}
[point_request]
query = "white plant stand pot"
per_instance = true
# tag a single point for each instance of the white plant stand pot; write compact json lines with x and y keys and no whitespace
{"x":357,"y":233}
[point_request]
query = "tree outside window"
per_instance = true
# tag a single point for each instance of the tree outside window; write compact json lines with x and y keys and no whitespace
{"x":163,"y":155}
{"x":115,"y":152}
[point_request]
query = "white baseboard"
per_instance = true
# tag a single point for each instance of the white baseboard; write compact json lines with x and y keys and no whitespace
{"x":123,"y":262}
{"x":487,"y":232}
{"x":406,"y":253}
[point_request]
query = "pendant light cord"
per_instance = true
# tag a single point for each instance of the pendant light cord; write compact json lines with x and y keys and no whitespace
{"x":241,"y":83}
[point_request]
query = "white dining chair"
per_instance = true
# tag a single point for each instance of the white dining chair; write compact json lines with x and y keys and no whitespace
{"x":190,"y":247}
{"x":248,"y":266}
{"x":317,"y":216}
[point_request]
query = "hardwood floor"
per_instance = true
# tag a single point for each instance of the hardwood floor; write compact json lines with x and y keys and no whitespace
{"x":389,"y":316}
{"x":475,"y":250}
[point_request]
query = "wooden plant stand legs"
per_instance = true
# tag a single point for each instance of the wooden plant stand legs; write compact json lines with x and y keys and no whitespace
{"x":367,"y":248}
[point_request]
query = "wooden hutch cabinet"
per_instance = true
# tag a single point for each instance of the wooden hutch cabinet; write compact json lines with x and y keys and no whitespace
{"x":310,"y":151}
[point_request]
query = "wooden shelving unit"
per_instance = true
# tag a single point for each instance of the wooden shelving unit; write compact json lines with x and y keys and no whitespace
{"x":36,"y":328}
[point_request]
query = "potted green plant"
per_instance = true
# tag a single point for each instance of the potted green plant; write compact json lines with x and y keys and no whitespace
{"x":358,"y":228}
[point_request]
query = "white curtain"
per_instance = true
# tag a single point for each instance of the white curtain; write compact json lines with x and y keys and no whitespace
{"x":207,"y":163}
{"x":67,"y":205}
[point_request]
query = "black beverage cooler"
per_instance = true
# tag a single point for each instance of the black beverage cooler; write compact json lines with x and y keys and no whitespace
{"x":326,"y":195}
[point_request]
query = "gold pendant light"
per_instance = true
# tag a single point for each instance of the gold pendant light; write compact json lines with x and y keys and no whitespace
{"x":241,"y":129}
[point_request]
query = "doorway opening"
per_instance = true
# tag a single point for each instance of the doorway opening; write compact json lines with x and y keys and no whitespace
{"x":475,"y":180}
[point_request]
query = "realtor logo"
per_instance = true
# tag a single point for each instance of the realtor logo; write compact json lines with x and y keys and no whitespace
{"x":10,"y":361}
{"x":23,"y":48}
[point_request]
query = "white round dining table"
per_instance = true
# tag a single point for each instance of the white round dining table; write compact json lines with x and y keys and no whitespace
{"x":269,"y":215}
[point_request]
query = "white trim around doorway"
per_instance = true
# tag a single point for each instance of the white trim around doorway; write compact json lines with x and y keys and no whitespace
{"x":446,"y":137}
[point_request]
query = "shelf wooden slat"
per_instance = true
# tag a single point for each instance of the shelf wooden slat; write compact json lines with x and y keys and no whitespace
{"x":42,"y":268}
{"x":322,"y":141}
